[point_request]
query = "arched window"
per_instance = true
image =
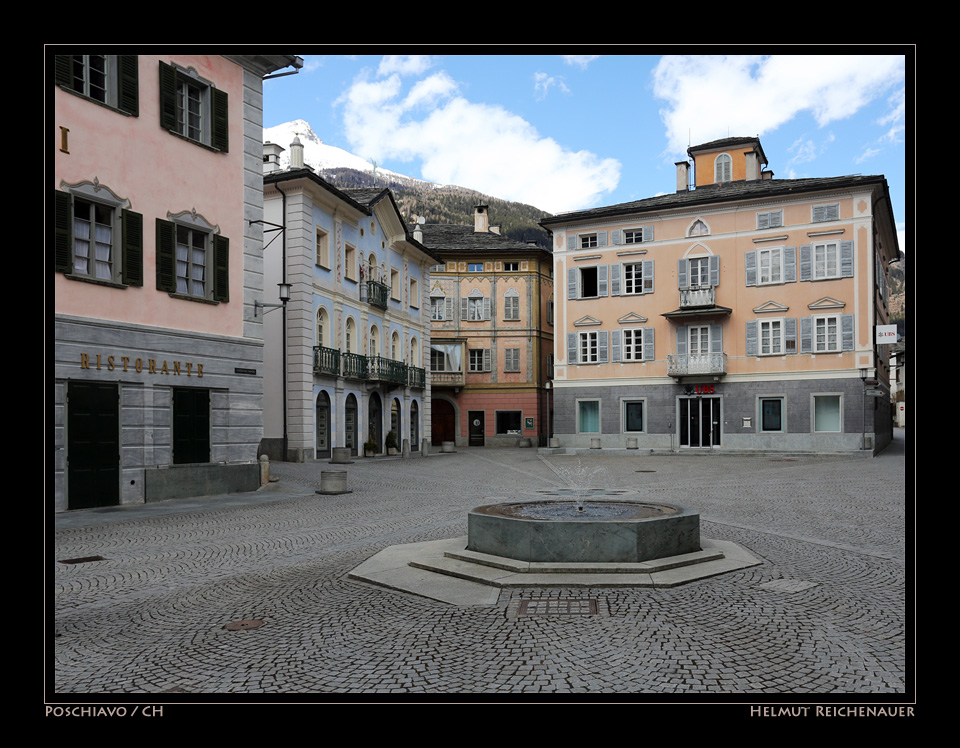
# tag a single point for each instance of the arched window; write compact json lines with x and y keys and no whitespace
{"x":723,"y":168}
{"x":414,"y":352}
{"x":374,"y":341}
{"x":698,"y":228}
{"x":351,"y":336}
{"x":396,"y":352}
{"x":373,"y":272}
{"x":322,"y":328}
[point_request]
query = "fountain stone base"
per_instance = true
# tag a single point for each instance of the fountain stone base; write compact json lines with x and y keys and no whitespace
{"x":601,"y":532}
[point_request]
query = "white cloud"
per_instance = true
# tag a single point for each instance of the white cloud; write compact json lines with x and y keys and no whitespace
{"x":404,"y":64}
{"x":542,"y":83}
{"x":479,"y":146}
{"x":709,"y":97}
{"x":581,"y":61}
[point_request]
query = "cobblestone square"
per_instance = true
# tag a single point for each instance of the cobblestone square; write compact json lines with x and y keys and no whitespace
{"x":825,"y":613}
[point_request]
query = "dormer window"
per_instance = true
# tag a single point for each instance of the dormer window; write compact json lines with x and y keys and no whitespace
{"x":723,"y":168}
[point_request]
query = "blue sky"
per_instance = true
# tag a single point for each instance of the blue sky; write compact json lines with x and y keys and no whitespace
{"x":565,"y":132}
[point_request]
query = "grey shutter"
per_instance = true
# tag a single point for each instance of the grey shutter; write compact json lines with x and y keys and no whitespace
{"x":602,"y":284}
{"x":648,"y":276}
{"x":846,"y":259}
{"x":571,"y":348}
{"x":448,"y":309}
{"x":846,"y":332}
{"x":464,"y":311}
{"x":648,"y":354}
{"x":615,"y":355}
{"x":751,"y":339}
{"x":806,"y":262}
{"x":750,"y":263}
{"x":571,"y":242}
{"x":132,"y":230}
{"x":601,"y":238}
{"x":716,"y":338}
{"x":789,"y":264}
{"x":681,"y":341}
{"x":617,"y":236}
{"x":806,"y":335}
{"x":648,"y":233}
{"x":486,"y":359}
{"x":682,"y":273}
{"x":487,"y":307}
{"x":62,"y":230}
{"x":603,"y":355}
{"x":714,"y":271}
{"x":763,"y":220}
{"x":166,"y":256}
{"x":790,"y":335}
{"x":615,"y":279}
{"x":572,"y":283}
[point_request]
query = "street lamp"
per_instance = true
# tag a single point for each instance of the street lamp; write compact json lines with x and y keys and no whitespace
{"x":284,"y":293}
{"x":863,"y":409}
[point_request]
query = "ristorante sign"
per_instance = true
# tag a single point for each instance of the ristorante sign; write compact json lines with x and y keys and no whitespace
{"x":140,"y":365}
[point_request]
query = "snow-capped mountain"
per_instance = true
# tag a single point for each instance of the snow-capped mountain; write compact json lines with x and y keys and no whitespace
{"x":321,"y":156}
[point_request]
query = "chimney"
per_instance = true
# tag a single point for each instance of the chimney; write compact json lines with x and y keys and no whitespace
{"x":753,"y":166}
{"x":296,"y":153}
{"x":271,"y":157}
{"x":683,"y":176}
{"x":481,"y":221}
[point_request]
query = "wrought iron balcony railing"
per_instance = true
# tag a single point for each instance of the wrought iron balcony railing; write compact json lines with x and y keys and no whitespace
{"x":377,"y":294}
{"x":354,"y":365}
{"x":416,"y":377}
{"x":690,"y":364}
{"x":382,"y":369}
{"x":326,"y":360}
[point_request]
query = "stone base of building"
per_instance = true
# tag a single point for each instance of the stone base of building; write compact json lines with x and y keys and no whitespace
{"x":184,"y":481}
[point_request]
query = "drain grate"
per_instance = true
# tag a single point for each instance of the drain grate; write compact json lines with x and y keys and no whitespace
{"x":559,"y":607}
{"x":82,"y":560}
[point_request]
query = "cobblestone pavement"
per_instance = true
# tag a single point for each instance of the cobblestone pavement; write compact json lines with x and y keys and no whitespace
{"x":824,"y":614}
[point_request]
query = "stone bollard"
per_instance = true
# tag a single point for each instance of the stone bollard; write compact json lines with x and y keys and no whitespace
{"x":264,"y":470}
{"x":448,"y":446}
{"x":333,"y":482}
{"x":405,"y":449}
{"x":341,"y":456}
{"x":424,"y":447}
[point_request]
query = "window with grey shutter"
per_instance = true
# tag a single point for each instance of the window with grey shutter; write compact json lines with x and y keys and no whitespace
{"x":751,"y":337}
{"x":572,"y":283}
{"x":826,"y":213}
{"x":648,"y":344}
{"x":615,"y":346}
{"x":846,"y":259}
{"x":603,"y":355}
{"x":770,"y":219}
{"x":846,"y":332}
{"x":750,"y":265}
{"x":571,"y":347}
{"x":790,"y":264}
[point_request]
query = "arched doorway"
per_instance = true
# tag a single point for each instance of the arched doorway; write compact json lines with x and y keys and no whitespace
{"x":414,"y":427}
{"x":350,"y":424}
{"x":443,"y":422}
{"x":375,"y":421}
{"x":323,"y":424}
{"x":395,"y":419}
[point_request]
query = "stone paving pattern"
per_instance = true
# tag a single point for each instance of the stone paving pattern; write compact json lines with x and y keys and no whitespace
{"x":824,"y":613}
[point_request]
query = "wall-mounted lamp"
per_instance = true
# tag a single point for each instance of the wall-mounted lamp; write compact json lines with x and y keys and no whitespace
{"x":284,"y":298}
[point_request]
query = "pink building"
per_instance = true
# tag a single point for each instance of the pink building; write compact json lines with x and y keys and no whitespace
{"x":491,"y":350}
{"x":738,"y":312}
{"x":157,"y":246}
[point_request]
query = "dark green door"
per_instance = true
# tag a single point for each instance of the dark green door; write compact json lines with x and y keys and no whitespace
{"x":93,"y":445}
{"x":191,"y":425}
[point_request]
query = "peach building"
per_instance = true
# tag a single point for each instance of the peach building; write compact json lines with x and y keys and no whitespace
{"x":738,"y":312}
{"x":157,"y":252}
{"x":491,"y":352}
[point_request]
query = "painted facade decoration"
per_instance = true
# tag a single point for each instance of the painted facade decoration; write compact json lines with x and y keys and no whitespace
{"x":345,"y":358}
{"x":738,"y":313}
{"x":158,"y":378}
{"x":491,"y":355}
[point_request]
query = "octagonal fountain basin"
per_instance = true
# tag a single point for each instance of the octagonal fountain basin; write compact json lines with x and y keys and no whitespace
{"x":592,"y":531}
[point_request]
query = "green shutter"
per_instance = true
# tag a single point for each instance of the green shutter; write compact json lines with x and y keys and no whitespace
{"x":63,"y":71}
{"x":128,"y":84}
{"x":166,"y":256}
{"x":168,"y":97}
{"x":62,"y":234}
{"x":220,"y":138}
{"x":132,"y":248}
{"x":221,"y":268}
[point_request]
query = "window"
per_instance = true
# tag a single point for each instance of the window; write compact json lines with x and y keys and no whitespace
{"x":322,"y":249}
{"x":509,"y":421}
{"x":396,"y":353}
{"x":96,"y":238}
{"x":193,"y":108}
{"x":475,"y":267}
{"x":112,"y":80}
{"x":699,"y":272}
{"x":826,"y":334}
{"x":511,"y":267}
{"x":395,"y":284}
{"x":769,"y":266}
{"x":589,"y":282}
{"x":826,"y":260}
{"x":588,"y":416}
{"x":698,"y":228}
{"x":698,"y":340}
{"x":437,"y":304}
{"x":632,"y":415}
{"x":638,"y":235}
{"x":479,"y":359}
{"x":632,"y":344}
{"x":822,"y":213}
{"x":192,"y":260}
{"x":475,"y":308}
{"x":350,"y":262}
{"x":770,"y":337}
{"x":770,"y":219}
{"x":550,"y":312}
{"x":511,"y":359}
{"x":589,"y":350}
{"x":374,"y":342}
{"x":633,"y":277}
{"x":438,"y":268}
{"x":771,"y":414}
{"x":350,"y":336}
{"x":321,"y":326}
{"x":587,"y":241}
{"x":414,"y":293}
{"x":826,"y":413}
{"x":445,"y":357}
{"x":723,"y":168}
{"x":511,"y":305}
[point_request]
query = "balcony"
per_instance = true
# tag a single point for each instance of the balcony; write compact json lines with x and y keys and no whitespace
{"x":380,"y":369}
{"x":446,"y":378}
{"x":416,"y":377}
{"x":697,"y":297}
{"x":377,"y":294}
{"x":354,"y":365}
{"x":326,"y":360}
{"x":696,"y":364}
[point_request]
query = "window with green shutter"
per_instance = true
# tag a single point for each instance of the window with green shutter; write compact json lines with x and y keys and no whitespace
{"x":193,"y":108}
